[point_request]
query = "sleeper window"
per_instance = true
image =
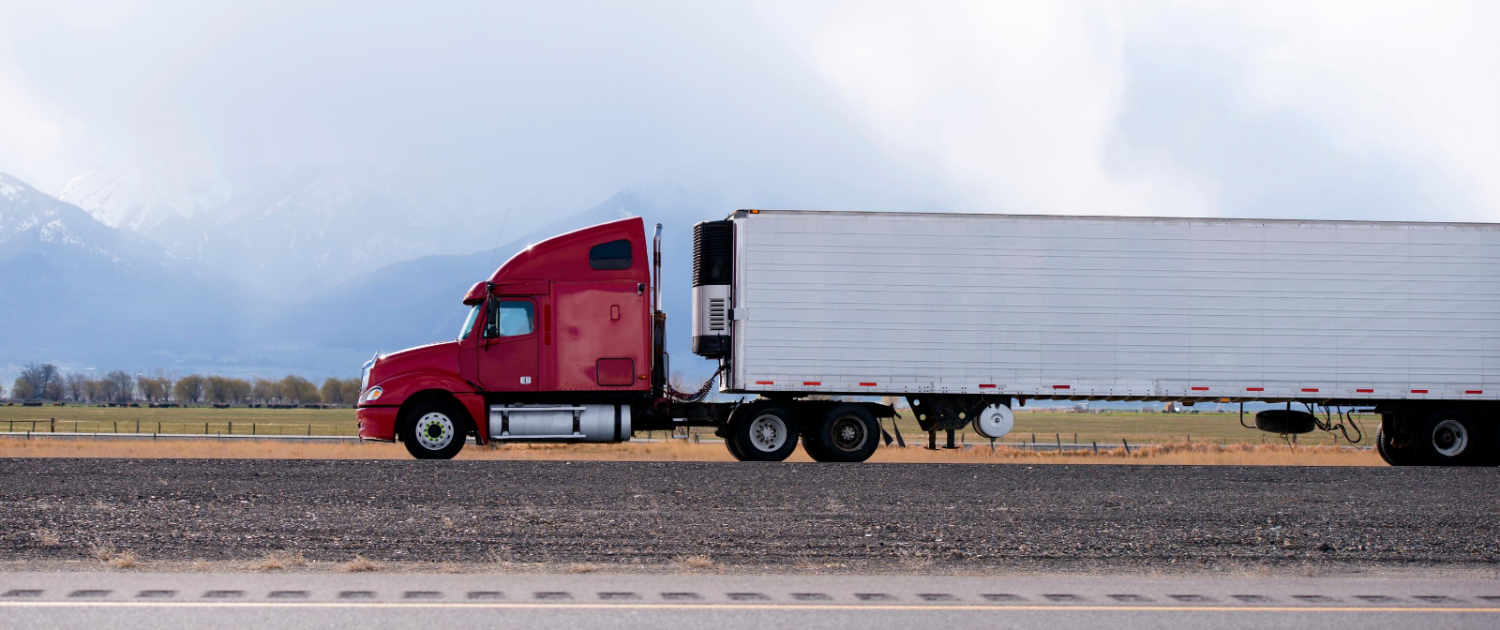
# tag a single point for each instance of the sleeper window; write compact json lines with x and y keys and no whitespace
{"x":611,"y":255}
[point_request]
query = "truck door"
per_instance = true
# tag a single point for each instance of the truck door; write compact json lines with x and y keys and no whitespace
{"x":507,"y":357}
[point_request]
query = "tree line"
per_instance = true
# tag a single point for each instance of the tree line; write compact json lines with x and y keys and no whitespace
{"x":43,"y":381}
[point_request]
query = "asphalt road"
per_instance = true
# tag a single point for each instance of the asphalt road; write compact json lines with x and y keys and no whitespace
{"x":155,"y":601}
{"x":892,"y":518}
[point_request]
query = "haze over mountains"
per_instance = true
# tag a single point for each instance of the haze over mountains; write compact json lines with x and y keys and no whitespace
{"x":306,"y":271}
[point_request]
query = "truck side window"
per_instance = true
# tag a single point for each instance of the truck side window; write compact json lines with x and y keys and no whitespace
{"x":516,"y":318}
{"x":611,"y":255}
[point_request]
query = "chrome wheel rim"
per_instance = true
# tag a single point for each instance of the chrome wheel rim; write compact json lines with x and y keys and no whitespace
{"x":1449,"y":438}
{"x":434,"y":431}
{"x":767,"y":433}
{"x":849,"y":434}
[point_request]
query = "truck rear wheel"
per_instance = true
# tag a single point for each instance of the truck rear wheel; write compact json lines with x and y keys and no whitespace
{"x":1450,"y":438}
{"x":434,"y":430}
{"x":1393,"y":453}
{"x":765,"y":432}
{"x":847,"y":433}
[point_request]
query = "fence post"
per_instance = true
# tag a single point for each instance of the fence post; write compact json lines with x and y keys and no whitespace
{"x":231,"y":427}
{"x":1127,"y":445}
{"x":1096,"y":447}
{"x":1059,"y":441}
{"x":309,"y":430}
{"x":53,"y":422}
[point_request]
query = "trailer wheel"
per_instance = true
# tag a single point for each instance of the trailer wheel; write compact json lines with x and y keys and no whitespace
{"x":1390,"y":451}
{"x":847,"y":433}
{"x":1450,"y":438}
{"x":434,"y":430}
{"x":810,"y":445}
{"x":765,"y":432}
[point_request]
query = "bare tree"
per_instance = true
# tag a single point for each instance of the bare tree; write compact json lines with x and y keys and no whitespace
{"x":122,"y":386}
{"x":189,"y":389}
{"x":21,"y":390}
{"x":350,"y":386}
{"x":219,"y":389}
{"x":90,"y":389}
{"x":239,"y":389}
{"x":332,"y":391}
{"x":73,"y":385}
{"x":264,"y":390}
{"x":38,"y":376}
{"x":150,"y":388}
{"x":298,"y":390}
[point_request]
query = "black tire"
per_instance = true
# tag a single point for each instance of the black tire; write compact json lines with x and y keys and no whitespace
{"x":1450,"y":438}
{"x":1392,"y":454}
{"x":811,"y":447}
{"x":763,"y":432}
{"x":729,"y":444}
{"x":445,"y":425}
{"x":847,"y":433}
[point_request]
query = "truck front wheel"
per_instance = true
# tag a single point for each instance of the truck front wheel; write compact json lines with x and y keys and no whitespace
{"x":763,"y":433}
{"x":434,"y":430}
{"x":847,"y":433}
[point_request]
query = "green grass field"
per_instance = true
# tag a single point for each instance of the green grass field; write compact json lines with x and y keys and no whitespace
{"x":198,"y":420}
{"x":1042,"y":426}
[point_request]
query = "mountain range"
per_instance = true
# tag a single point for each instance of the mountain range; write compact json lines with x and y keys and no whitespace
{"x":305,"y":271}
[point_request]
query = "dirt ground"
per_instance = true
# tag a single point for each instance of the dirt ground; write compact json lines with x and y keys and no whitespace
{"x":1197,"y":453}
{"x":464,"y":516}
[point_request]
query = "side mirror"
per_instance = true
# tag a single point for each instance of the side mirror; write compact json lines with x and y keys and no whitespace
{"x":491,"y":325}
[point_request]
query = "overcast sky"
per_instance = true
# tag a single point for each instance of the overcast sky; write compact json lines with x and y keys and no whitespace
{"x":1302,"y":109}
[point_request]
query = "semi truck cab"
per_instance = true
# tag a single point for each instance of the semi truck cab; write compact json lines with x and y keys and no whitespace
{"x":557,"y":346}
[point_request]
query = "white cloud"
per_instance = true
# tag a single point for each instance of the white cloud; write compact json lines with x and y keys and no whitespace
{"x":1334,"y":109}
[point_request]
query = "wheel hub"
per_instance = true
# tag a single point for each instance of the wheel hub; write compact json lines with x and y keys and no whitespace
{"x":767,"y":433}
{"x":1450,"y":438}
{"x":434,"y":431}
{"x":849,"y":434}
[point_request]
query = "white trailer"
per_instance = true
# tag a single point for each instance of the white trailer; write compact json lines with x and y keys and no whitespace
{"x":966,"y":315}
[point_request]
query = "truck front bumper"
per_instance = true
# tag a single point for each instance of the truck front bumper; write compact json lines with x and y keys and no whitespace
{"x":377,"y":423}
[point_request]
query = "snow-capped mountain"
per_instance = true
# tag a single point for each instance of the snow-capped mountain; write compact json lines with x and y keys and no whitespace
{"x":78,"y":292}
{"x":140,"y":198}
{"x":35,"y":225}
{"x":280,"y":231}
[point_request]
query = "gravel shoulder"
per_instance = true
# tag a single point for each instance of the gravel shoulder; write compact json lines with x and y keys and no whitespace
{"x":467,"y":516}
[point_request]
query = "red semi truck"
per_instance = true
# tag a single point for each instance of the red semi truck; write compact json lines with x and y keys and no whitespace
{"x":965,"y":316}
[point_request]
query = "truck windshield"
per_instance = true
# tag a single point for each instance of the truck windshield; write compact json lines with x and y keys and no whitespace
{"x":469,"y":323}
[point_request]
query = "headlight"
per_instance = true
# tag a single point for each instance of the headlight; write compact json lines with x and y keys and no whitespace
{"x":372,"y":395}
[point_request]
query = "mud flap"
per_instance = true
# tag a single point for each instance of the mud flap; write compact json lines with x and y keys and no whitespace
{"x":895,"y":428}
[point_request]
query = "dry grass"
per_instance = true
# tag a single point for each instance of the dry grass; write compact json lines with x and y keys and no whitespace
{"x":277,"y":560}
{"x":359,"y":565}
{"x":695,"y":562}
{"x":46,"y":537}
{"x":1180,"y":453}
{"x":123,"y":560}
{"x":581,"y":568}
{"x":106,"y":553}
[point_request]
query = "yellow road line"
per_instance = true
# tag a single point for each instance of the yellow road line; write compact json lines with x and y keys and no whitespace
{"x":767,"y":607}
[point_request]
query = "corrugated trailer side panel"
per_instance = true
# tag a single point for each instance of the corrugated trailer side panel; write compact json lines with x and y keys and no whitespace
{"x":1115,"y":307}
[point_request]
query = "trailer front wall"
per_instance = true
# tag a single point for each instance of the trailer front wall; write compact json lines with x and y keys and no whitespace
{"x":839,"y":302}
